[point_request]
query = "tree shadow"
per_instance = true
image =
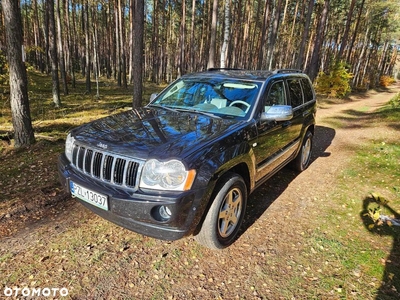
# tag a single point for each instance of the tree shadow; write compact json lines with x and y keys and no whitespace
{"x":390,"y":283}
{"x":368,"y":117}
{"x":261,"y":199}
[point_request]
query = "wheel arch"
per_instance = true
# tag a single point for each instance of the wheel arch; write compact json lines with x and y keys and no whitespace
{"x":243,"y":170}
{"x":240,"y":169}
{"x":221,"y":221}
{"x":310,"y":128}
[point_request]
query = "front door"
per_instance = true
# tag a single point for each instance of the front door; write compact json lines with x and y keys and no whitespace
{"x":273,"y":136}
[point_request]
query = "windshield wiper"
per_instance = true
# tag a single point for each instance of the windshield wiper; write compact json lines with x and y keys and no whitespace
{"x":163,"y":107}
{"x":208,"y":114}
{"x":176,"y":109}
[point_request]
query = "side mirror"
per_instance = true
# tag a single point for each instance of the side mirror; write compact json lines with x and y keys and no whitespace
{"x":277,"y":113}
{"x":153,"y":96}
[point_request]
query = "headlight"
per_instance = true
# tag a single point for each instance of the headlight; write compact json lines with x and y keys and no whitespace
{"x":169,"y":175}
{"x":69,"y":146}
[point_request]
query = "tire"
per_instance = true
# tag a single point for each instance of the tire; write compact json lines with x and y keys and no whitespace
{"x":303,"y":159}
{"x":225,"y":216}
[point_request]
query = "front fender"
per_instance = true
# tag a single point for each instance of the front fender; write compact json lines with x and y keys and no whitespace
{"x":238,"y":159}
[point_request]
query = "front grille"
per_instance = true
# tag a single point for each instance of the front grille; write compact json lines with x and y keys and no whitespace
{"x":106,"y":167}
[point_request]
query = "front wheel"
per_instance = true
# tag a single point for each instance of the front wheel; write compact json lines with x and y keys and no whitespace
{"x":302,"y":160}
{"x":223,"y":220}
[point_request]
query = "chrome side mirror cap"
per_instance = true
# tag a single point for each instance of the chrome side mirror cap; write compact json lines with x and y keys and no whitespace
{"x":277,"y":113}
{"x":152,"y":97}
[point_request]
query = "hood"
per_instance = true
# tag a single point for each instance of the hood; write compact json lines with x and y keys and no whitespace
{"x":151,"y":132}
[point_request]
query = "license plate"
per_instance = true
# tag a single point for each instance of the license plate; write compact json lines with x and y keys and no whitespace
{"x":88,"y":195}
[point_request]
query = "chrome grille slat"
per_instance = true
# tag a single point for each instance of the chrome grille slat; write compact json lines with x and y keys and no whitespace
{"x":119,"y":171}
{"x":88,"y":161}
{"x":81,"y":154}
{"x":97,"y":164}
{"x":106,"y":167}
{"x":131,"y":173}
{"x":102,"y":167}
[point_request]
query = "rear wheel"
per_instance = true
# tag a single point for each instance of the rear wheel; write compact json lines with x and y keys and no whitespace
{"x":223,"y":220}
{"x":302,"y":160}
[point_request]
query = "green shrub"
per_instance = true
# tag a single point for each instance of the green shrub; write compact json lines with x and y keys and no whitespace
{"x":395,"y":101}
{"x":336,"y":82}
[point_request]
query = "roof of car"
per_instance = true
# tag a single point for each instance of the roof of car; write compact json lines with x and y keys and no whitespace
{"x":242,"y":73}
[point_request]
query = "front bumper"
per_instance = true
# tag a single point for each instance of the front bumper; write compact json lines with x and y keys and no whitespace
{"x":138,"y":211}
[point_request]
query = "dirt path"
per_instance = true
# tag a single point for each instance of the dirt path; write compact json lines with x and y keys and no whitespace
{"x":272,"y":259}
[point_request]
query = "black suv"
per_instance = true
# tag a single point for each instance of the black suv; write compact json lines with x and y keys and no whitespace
{"x":186,"y":163}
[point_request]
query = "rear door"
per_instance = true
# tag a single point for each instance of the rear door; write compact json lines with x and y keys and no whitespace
{"x":296,"y":100}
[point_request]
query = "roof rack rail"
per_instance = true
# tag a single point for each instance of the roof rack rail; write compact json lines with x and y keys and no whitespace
{"x":288,"y":71}
{"x":224,"y":69}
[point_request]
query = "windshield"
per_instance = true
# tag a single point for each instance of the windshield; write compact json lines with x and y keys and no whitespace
{"x":222,"y":97}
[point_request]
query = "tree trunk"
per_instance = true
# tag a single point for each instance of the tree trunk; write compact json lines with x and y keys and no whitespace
{"x":300,"y":59}
{"x":130,"y":42}
{"x":110,"y":49}
{"x":345,"y":37}
{"x":254,"y":37}
{"x":355,"y":30}
{"x":244,"y":38}
{"x":288,"y":47}
{"x":192,"y":38}
{"x":155,"y":59}
{"x":96,"y":64}
{"x":138,"y":19}
{"x":74,"y":43}
{"x":21,"y":116}
{"x":213,"y":36}
{"x":274,"y":34}
{"x":203,"y":39}
{"x":53,"y":53}
{"x":314,"y":64}
{"x":61,"y":48}
{"x":357,"y":79}
{"x":181,"y":64}
{"x":38,"y":38}
{"x":122,"y":45}
{"x":237,"y":32}
{"x":264,"y":34}
{"x":224,"y":49}
{"x":87,"y":49}
{"x":117,"y":46}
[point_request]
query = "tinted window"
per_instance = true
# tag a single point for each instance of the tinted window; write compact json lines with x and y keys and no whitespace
{"x":295,"y":91}
{"x":214,"y":95}
{"x":276,"y":95}
{"x":307,"y":90}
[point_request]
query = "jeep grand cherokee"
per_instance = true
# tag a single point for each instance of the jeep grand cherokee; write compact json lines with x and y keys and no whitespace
{"x":186,"y":163}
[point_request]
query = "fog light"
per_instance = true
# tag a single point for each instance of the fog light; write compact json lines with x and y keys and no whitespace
{"x":164,"y":212}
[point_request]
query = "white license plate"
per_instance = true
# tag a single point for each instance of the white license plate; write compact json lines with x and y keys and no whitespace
{"x":89,"y":196}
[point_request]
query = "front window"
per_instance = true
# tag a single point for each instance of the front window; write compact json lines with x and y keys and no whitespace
{"x":276,"y":95}
{"x":221,"y":97}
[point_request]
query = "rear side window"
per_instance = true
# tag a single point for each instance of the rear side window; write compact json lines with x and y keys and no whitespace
{"x":295,"y":92}
{"x":307,"y":90}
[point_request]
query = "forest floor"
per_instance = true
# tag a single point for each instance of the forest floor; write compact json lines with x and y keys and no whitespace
{"x":303,"y":236}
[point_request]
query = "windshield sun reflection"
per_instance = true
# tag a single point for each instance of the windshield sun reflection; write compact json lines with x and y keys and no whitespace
{"x":215,"y":97}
